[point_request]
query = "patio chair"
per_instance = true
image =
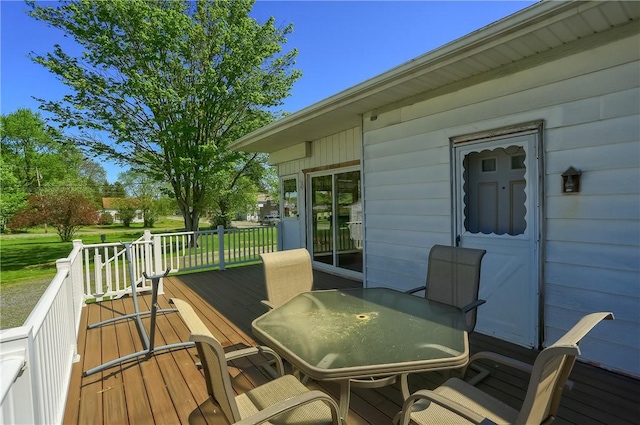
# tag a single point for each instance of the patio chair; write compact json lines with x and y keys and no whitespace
{"x":284,"y":400}
{"x":457,"y":401}
{"x":453,"y":277}
{"x":286,"y":273}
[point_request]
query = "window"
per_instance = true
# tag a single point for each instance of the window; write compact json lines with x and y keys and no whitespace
{"x":290,"y":198}
{"x":494,"y":185}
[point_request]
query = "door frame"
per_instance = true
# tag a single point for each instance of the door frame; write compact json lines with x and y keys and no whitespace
{"x":488,"y":137}
{"x":289,"y":221}
{"x":330,"y":268}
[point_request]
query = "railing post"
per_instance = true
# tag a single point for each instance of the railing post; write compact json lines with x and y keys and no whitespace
{"x":78,"y":277}
{"x":221,"y":246}
{"x":147,"y":251}
{"x":77,"y":289}
{"x":97,"y":272}
{"x":149,"y":263}
{"x":64,"y":265}
{"x":156,"y":243}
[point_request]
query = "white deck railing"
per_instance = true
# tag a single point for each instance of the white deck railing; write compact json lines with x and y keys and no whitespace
{"x":106,"y":273}
{"x":36,"y":358}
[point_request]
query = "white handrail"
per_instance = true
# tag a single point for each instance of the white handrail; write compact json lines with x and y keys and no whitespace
{"x":48,"y":346}
{"x":154,"y":253}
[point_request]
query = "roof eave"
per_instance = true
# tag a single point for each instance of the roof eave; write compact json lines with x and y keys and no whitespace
{"x":457,"y":48}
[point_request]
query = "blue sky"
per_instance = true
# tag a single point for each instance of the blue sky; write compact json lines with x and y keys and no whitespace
{"x":340,"y":43}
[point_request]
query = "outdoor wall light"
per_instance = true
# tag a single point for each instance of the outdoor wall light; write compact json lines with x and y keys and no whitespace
{"x":571,"y":180}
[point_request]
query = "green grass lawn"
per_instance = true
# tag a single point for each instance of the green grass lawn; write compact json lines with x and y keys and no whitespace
{"x":32,"y":255}
{"x":28,"y":262}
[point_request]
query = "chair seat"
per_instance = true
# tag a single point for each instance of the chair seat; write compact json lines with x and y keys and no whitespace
{"x":275,"y":391}
{"x":467,"y":395}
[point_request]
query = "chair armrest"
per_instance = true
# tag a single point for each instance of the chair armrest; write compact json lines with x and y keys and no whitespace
{"x":495,"y":357}
{"x":268,"y":304}
{"x":293,"y":403}
{"x":245,"y":352}
{"x":467,"y":308}
{"x":414,"y":290}
{"x":499,"y":358}
{"x":507,"y":361}
{"x":463,"y":411}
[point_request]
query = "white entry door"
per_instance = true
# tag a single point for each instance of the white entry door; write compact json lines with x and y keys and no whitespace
{"x":290,"y":213}
{"x":497,"y":210}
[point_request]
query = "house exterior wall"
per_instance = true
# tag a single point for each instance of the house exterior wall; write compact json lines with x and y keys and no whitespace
{"x":338,"y":148}
{"x":344,"y":147}
{"x":590,"y":105}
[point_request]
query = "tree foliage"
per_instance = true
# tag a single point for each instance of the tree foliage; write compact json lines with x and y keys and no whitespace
{"x":35,"y":156}
{"x":172,"y":83}
{"x":238,"y":192}
{"x":127,"y":209}
{"x":66,"y":210}
{"x":13,"y":197}
{"x":113,"y":190}
{"x":149,"y":194}
{"x":25,"y":141}
{"x":38,"y":154}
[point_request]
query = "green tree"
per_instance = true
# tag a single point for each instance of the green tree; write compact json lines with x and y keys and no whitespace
{"x":13,"y":197}
{"x":127,"y":209}
{"x":25,"y":140}
{"x":113,"y":190}
{"x":39,"y":156}
{"x":148,"y":192}
{"x":173,"y":83}
{"x":67,"y":210}
{"x":94,"y":176}
{"x":237,"y":192}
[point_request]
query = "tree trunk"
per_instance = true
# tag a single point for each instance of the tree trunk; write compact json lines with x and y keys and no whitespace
{"x":191,"y":224}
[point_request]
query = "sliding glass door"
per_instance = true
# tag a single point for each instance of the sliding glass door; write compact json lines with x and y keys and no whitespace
{"x":335,"y":218}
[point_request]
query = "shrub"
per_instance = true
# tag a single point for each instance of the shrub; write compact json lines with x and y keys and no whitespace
{"x":66,"y":210}
{"x":106,"y":219}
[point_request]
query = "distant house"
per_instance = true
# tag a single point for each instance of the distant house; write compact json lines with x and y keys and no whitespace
{"x":109,"y":206}
{"x":264,"y":207}
{"x":521,"y":138}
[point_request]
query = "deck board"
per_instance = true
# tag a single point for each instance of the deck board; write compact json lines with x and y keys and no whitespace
{"x":168,"y":388}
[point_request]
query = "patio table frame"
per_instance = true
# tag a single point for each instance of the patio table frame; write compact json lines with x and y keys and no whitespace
{"x":425,"y":317}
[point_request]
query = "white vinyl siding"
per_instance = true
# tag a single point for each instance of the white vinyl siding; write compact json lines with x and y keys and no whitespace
{"x":589,"y":103}
{"x":335,"y":149}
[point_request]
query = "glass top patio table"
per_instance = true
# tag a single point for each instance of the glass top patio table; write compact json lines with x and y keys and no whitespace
{"x":348,"y":334}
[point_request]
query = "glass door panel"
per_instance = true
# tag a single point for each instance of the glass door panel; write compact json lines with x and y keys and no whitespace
{"x":321,"y":218}
{"x":348,"y":220}
{"x":336,"y":220}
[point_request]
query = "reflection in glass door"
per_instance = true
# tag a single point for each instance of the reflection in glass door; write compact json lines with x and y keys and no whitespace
{"x":336,"y":219}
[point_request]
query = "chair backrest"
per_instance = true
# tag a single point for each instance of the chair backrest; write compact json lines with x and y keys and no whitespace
{"x":453,"y":277}
{"x":551,"y":371}
{"x":212,"y":357}
{"x":287,"y":273}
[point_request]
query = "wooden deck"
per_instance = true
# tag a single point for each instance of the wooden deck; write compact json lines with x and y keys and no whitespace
{"x":168,"y":389}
